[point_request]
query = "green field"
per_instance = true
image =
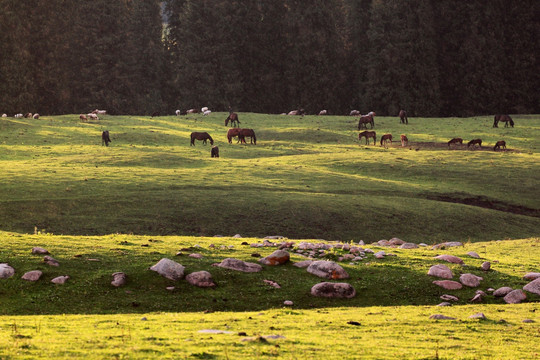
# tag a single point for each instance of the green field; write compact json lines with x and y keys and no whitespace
{"x":150,"y":195}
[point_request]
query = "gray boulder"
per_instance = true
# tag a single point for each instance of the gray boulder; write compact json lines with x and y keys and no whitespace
{"x":515,"y":297}
{"x":448,"y":284}
{"x":169,"y":269}
{"x":531,"y":276}
{"x":503,"y":291}
{"x":60,"y":279}
{"x":470,"y":280}
{"x":278,"y":257}
{"x":450,"y":258}
{"x":327,"y":269}
{"x":119,"y":279}
{"x":533,"y":287}
{"x":441,"y":271}
{"x":239,"y":265}
{"x":39,"y":251}
{"x":33,"y":275}
{"x":6,"y":271}
{"x":333,"y":290}
{"x":201,"y":279}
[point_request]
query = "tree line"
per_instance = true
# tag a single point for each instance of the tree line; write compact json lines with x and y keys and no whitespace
{"x":430,"y":57}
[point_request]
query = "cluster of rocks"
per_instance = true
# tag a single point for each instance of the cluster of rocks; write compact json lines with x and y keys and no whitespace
{"x":7,"y":271}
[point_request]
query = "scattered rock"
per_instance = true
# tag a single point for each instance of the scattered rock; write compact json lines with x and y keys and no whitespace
{"x":448,"y":284}
{"x":333,"y":290}
{"x":39,"y":251}
{"x":355,"y":323}
{"x":501,"y":292}
{"x":445,"y":304}
{"x":528,"y":321}
{"x":214,"y":331}
{"x":515,"y":296}
{"x":470,"y":280}
{"x":6,"y":271}
{"x":34,"y":275}
{"x":201,"y":279}
{"x":478,"y":298}
{"x":409,"y":246}
{"x":196,"y":256}
{"x":380,"y":255}
{"x":272,"y":283}
{"x":531,"y":276}
{"x":449,"y":297}
{"x":239,"y":265}
{"x":50,"y":261}
{"x":441,"y":271}
{"x":479,"y":316}
{"x":447,"y":245}
{"x":274,"y":237}
{"x":169,"y":269}
{"x":303,"y":264}
{"x":60,"y":279}
{"x":237,"y":236}
{"x":486,"y":266}
{"x":473,"y":254}
{"x":278,"y":257}
{"x":170,"y":288}
{"x":450,"y":258}
{"x":327,"y":269}
{"x":119,"y":279}
{"x":396,"y":241}
{"x":533,"y":287}
{"x":257,"y":255}
{"x":288,"y":303}
{"x":441,"y":317}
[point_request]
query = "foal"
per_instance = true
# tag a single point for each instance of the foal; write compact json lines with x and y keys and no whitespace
{"x":500,"y":144}
{"x":404,"y":140}
{"x":385,"y":138}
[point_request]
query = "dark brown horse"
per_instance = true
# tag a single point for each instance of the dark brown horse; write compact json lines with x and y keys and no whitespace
{"x":214,"y":152}
{"x":455,"y":141}
{"x":233,"y":118}
{"x":244,"y":133}
{"x":105,"y":138}
{"x":403,"y":117}
{"x":231,"y":133}
{"x":506,"y":119}
{"x":201,"y":136}
{"x":364,"y":120}
{"x":474,"y":142}
{"x":368,"y":135}
{"x":499,"y":144}
{"x":385,"y":139}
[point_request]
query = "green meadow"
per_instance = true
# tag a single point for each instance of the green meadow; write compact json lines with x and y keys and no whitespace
{"x":150,"y":195}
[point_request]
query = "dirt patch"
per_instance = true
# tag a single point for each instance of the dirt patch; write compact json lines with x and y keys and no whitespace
{"x":443,"y":146}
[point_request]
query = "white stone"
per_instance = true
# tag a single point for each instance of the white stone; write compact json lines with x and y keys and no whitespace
{"x":6,"y":271}
{"x":169,"y":269}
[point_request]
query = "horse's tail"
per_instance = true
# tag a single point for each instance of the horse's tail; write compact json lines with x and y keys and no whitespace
{"x":254,"y":138}
{"x":192,"y":140}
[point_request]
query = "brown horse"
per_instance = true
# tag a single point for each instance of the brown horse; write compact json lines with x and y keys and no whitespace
{"x":364,"y":120}
{"x":404,"y":140}
{"x":455,"y":141}
{"x":247,"y":133}
{"x":105,"y":138}
{"x":214,"y":152}
{"x":474,"y":142}
{"x":201,"y":136}
{"x":504,"y":118}
{"x":499,"y":144}
{"x":368,"y":135}
{"x":233,"y":118}
{"x":403,"y":117}
{"x":385,"y":138}
{"x":231,"y":133}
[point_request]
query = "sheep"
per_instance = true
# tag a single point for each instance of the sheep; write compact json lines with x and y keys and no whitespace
{"x":207,"y":112}
{"x":323,"y":112}
{"x":297,"y":112}
{"x":18,"y":116}
{"x":4,"y":115}
{"x":177,"y":112}
{"x":354,"y":113}
{"x":36,"y":116}
{"x":204,"y":109}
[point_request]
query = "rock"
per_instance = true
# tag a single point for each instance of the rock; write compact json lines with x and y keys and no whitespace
{"x":479,"y":316}
{"x":170,"y":288}
{"x":6,"y":271}
{"x":39,"y":251}
{"x":214,"y":331}
{"x":470,"y":280}
{"x":408,"y":246}
{"x":237,"y":236}
{"x":272,"y":283}
{"x":34,"y":275}
{"x":478,"y":298}
{"x":500,"y":292}
{"x":274,"y":237}
{"x":528,"y":321}
{"x":60,"y":279}
{"x":380,"y":254}
{"x":327,"y":269}
{"x":441,"y":271}
{"x":169,"y":269}
{"x":473,"y":254}
{"x":531,"y":276}
{"x":119,"y":279}
{"x":201,"y":279}
{"x":450,"y":258}
{"x":239,"y":265}
{"x":486,"y":266}
{"x":333,"y":290}
{"x":515,"y":296}
{"x":449,"y":297}
{"x":303,"y":264}
{"x":196,"y":256}
{"x":533,"y":287}
{"x":278,"y":257}
{"x":288,"y":303}
{"x":396,"y":241}
{"x":447,"y":245}
{"x":382,"y":243}
{"x":50,"y":261}
{"x":441,"y":317}
{"x":448,"y":284}
{"x":445,"y":304}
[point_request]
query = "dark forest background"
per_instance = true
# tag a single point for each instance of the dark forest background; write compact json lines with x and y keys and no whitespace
{"x":431,"y":57}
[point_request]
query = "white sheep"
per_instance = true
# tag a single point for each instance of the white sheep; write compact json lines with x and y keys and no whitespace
{"x":204,"y":109}
{"x":4,"y":115}
{"x":207,"y":112}
{"x":177,"y":112}
{"x":19,"y":115}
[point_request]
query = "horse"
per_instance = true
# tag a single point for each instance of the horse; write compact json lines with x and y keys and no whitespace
{"x":214,"y":152}
{"x":403,"y":117}
{"x":455,"y":141}
{"x":474,"y":142}
{"x":83,"y":117}
{"x":504,"y":118}
{"x":366,"y":119}
{"x":247,"y":133}
{"x":231,"y":133}
{"x":155,"y":113}
{"x":385,"y":138}
{"x":354,"y":113}
{"x":368,"y":135}
{"x":233,"y":118}
{"x":201,"y":136}
{"x":404,"y":140}
{"x":105,"y":139}
{"x":499,"y":144}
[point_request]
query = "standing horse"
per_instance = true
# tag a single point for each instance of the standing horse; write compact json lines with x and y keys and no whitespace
{"x":404,"y":140}
{"x":364,"y":120}
{"x":385,"y":138}
{"x":233,"y":118}
{"x":474,"y":142}
{"x":214,"y":152}
{"x":231,"y":133}
{"x":368,"y":135}
{"x":455,"y":141}
{"x":504,"y":118}
{"x":201,"y":136}
{"x":247,"y":133}
{"x":403,"y":117}
{"x":105,"y":139}
{"x":499,"y":144}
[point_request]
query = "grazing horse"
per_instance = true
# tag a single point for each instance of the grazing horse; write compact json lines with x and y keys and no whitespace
{"x":155,"y":113}
{"x":231,"y":133}
{"x":368,"y":135}
{"x":455,"y":141}
{"x":474,"y":142}
{"x":364,"y":120}
{"x":105,"y":139}
{"x":404,"y":140}
{"x":247,"y":133}
{"x":214,"y":152}
{"x":403,"y":117}
{"x":201,"y":136}
{"x":504,"y":118}
{"x":499,"y":144}
{"x":83,"y":117}
{"x":233,"y":118}
{"x":385,"y":138}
